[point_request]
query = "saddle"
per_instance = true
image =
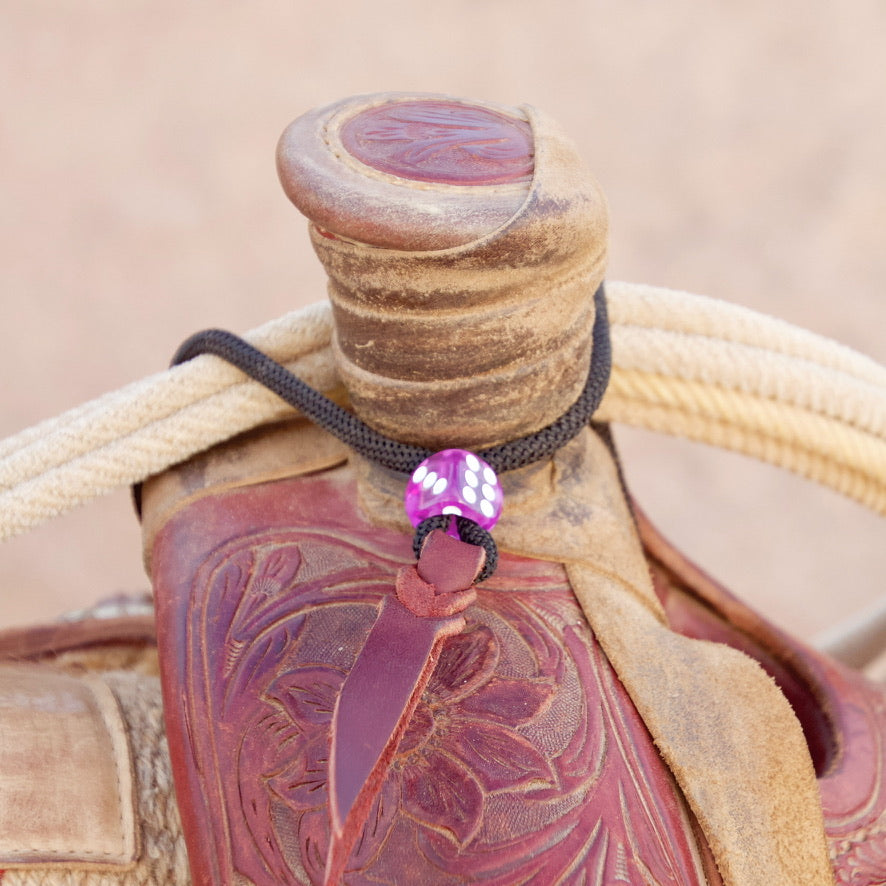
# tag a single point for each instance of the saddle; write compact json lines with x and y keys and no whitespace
{"x":331,"y":688}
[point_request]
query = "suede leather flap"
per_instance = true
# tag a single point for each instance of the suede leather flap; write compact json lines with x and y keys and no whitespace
{"x":66,"y":784}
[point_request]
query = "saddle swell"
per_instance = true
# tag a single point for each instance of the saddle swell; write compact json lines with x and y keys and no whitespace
{"x":524,"y":760}
{"x":524,"y":724}
{"x":843,"y":714}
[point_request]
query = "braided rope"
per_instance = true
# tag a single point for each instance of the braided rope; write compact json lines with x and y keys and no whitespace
{"x":755,"y":371}
{"x":682,"y":364}
{"x":126,"y":436}
{"x":636,"y":305}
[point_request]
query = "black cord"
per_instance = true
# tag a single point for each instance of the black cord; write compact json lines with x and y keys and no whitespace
{"x":403,"y":457}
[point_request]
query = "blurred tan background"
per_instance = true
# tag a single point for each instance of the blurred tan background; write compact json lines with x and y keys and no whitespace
{"x":741,"y":146}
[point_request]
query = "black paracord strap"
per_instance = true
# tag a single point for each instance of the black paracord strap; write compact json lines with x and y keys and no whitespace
{"x":403,"y":457}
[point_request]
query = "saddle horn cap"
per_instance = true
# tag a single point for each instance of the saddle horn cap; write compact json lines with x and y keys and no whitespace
{"x":407,"y":171}
{"x":464,"y":242}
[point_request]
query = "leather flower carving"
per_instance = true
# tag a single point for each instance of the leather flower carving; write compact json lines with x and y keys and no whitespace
{"x":441,"y":141}
{"x":522,"y":762}
{"x":425,"y":128}
{"x":462,"y":744}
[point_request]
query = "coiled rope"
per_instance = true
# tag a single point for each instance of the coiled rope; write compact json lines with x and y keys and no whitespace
{"x":682,"y":364}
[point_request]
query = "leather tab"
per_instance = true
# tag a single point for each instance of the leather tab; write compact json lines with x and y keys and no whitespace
{"x":372,"y":714}
{"x":441,"y":583}
{"x":448,"y":563}
{"x":66,"y":785}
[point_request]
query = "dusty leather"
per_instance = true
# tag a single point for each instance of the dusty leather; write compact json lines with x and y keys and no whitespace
{"x":744,"y":767}
{"x":842,"y":714}
{"x":265,"y":595}
{"x":568,"y":732}
{"x":523,"y":757}
{"x":64,"y":738}
{"x":485,"y":341}
{"x":341,"y":194}
{"x":98,"y":774}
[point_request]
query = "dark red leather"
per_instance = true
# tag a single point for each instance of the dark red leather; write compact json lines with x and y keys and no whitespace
{"x":524,"y":760}
{"x":442,"y":141}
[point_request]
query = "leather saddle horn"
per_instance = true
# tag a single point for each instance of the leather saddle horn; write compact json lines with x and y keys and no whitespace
{"x":597,"y":710}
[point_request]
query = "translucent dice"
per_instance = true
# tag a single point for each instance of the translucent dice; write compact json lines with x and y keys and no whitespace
{"x":454,"y":481}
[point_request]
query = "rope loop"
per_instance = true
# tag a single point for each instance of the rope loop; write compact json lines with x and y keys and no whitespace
{"x":794,"y":399}
{"x":468,"y":531}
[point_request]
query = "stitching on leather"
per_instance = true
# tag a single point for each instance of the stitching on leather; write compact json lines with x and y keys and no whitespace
{"x":81,"y":854}
{"x":117,"y":773}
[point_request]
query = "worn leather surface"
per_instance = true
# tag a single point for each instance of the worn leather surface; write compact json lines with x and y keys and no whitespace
{"x":465,"y":345}
{"x":267,"y":453}
{"x":843,"y":714}
{"x":104,"y":657}
{"x":728,"y":734}
{"x":115,"y":642}
{"x":471,"y":342}
{"x":335,"y":180}
{"x":66,"y":784}
{"x":569,"y":510}
{"x":525,"y":759}
{"x":377,"y":701}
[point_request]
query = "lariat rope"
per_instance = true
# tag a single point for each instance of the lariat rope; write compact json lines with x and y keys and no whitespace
{"x":682,"y":364}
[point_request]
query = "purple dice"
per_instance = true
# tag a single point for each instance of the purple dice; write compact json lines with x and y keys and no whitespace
{"x":454,"y":481}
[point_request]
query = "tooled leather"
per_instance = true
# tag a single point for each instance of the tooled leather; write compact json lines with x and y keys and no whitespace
{"x":442,"y":142}
{"x":524,"y":761}
{"x":342,"y":195}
